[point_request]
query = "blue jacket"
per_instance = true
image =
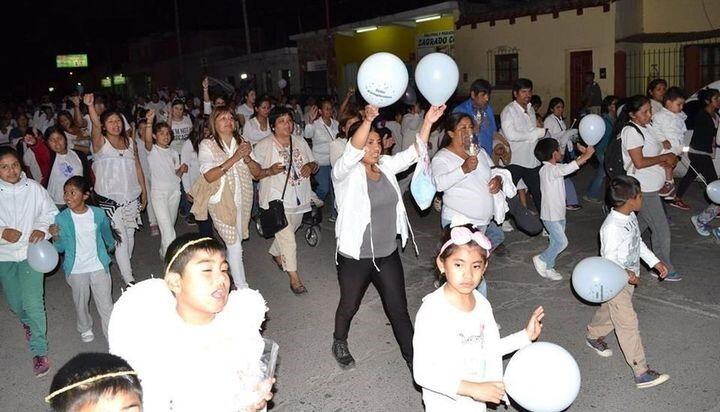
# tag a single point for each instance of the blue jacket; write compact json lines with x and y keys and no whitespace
{"x":66,"y":242}
{"x":485,"y":137}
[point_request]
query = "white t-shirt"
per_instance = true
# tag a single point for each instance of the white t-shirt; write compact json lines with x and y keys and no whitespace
{"x":181,"y":132}
{"x":253,"y":132}
{"x":86,"y":258}
{"x":246,"y":111}
{"x":65,"y":166}
{"x":651,"y":178}
{"x":163,"y":164}
{"x":552,"y":187}
{"x":452,"y":345}
{"x":464,"y":194}
{"x":189,"y":156}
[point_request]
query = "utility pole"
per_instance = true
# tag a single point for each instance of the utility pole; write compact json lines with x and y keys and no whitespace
{"x":181,"y":81}
{"x":247,"y":28}
{"x":329,"y":58}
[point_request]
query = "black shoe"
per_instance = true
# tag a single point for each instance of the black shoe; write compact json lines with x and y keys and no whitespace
{"x":342,"y":354}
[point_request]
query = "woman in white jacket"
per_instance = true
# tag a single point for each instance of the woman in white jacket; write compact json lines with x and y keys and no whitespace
{"x":370,"y":216}
{"x":26,"y":214}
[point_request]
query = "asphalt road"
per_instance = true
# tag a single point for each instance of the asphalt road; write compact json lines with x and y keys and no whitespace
{"x":679,"y":323}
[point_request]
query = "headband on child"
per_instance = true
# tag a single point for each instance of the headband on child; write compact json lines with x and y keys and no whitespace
{"x":182,"y":249}
{"x":460,"y":235}
{"x":88,"y":381}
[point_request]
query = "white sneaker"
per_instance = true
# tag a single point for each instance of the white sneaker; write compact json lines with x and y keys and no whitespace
{"x":507,"y":227}
{"x":87,"y":336}
{"x":540,"y":265}
{"x":552,"y":274}
{"x":314,"y":199}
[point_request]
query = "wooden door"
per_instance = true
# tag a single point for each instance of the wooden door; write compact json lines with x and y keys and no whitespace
{"x":580,"y":63}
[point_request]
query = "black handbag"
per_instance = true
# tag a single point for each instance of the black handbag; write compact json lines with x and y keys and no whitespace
{"x":272,"y":219}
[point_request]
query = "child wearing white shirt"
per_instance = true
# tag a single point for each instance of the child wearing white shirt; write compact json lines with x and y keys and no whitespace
{"x":457,"y":346}
{"x":552,"y":211}
{"x":165,"y":172}
{"x":621,"y":242}
{"x":669,"y":123}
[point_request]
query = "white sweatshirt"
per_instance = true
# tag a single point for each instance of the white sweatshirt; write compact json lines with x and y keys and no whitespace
{"x":187,"y":367}
{"x":620,"y":241}
{"x":451,"y":346}
{"x":26,"y":206}
{"x":671,"y":127}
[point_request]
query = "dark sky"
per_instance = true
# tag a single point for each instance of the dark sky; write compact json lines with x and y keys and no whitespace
{"x":33,"y":32}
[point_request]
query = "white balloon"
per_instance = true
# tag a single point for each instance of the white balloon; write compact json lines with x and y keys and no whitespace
{"x":382,"y":79}
{"x":713,"y":191}
{"x":436,"y":76}
{"x":592,"y":129}
{"x":42,"y":256}
{"x":543,"y":377}
{"x":282,"y":83}
{"x":597,"y":279}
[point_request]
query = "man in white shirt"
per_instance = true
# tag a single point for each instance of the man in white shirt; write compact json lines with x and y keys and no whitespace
{"x":519,"y":125}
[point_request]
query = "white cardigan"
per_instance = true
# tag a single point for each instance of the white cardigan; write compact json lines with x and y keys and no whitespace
{"x":350,"y":182}
{"x":26,"y":206}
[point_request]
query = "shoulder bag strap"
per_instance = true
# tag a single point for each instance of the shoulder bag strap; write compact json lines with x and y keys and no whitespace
{"x":289,"y":169}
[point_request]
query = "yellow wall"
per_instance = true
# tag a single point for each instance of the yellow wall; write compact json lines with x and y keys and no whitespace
{"x":398,"y":40}
{"x":544,"y":48}
{"x":628,"y":17}
{"x":661,"y":16}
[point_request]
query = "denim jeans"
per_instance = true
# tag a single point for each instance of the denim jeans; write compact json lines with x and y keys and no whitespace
{"x":558,"y":242}
{"x":595,"y":188}
{"x":571,"y":197}
{"x":322,"y":177}
{"x":496,"y":236}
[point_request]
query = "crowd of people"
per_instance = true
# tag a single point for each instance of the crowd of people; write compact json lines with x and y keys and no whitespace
{"x":83,"y":171}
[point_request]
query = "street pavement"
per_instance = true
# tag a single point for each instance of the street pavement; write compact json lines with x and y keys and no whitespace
{"x":679,"y":322}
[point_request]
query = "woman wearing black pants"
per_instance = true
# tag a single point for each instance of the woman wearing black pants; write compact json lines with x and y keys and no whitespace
{"x":370,"y":216}
{"x":701,"y":145}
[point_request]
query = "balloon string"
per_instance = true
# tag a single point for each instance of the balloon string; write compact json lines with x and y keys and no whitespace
{"x":702,"y":178}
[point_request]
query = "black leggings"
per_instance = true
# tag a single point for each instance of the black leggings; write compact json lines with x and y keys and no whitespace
{"x":531,"y":177}
{"x":704,"y":165}
{"x":355,"y":276}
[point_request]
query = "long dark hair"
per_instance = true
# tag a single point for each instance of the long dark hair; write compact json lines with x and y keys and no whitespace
{"x":123,"y":133}
{"x":197,"y":134}
{"x":450,"y":124}
{"x":632,"y":105}
{"x":553,"y":102}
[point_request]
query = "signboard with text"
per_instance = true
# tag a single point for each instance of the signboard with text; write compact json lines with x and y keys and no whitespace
{"x":438,"y":41}
{"x":69,"y":61}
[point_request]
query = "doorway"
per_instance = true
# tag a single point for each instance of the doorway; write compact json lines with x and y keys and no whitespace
{"x":581,"y":62}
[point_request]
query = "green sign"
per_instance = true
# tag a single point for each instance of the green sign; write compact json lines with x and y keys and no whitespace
{"x":106,"y":82}
{"x":118,"y":79}
{"x":71,"y":60}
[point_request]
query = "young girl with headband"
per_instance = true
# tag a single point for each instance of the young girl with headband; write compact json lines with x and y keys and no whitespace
{"x":458,"y":349}
{"x":195,"y":344}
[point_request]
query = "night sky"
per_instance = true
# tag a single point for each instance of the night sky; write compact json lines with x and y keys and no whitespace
{"x":33,"y":32}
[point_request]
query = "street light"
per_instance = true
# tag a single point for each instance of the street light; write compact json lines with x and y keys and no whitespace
{"x":427,"y":18}
{"x":79,"y":84}
{"x":365,"y":29}
{"x":243,"y":76}
{"x":51,"y":89}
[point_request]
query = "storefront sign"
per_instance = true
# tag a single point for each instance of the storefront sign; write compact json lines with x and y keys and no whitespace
{"x":438,"y":41}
